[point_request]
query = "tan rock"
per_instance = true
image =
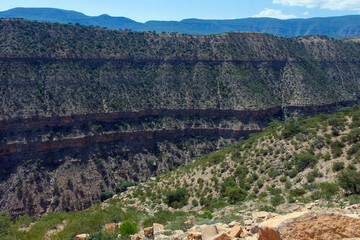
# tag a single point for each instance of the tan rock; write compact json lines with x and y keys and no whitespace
{"x":271,"y":215}
{"x":82,"y":236}
{"x":178,"y":235}
{"x":161,"y":237}
{"x":111,"y":227}
{"x":248,"y":222}
{"x":209,"y":232}
{"x":254,"y":229}
{"x":236,"y":231}
{"x":135,"y":237}
{"x":188,"y":224}
{"x":296,"y":208}
{"x":233,"y":224}
{"x":223,"y":228}
{"x":194,"y":235}
{"x":157,"y":228}
{"x":310,"y":225}
{"x":197,"y":228}
{"x":221,"y":236}
{"x":148,"y":232}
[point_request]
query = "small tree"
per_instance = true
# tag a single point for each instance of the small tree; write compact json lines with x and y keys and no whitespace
{"x":235,"y":194}
{"x":127,"y":228}
{"x":178,"y":198}
{"x":349,"y":180}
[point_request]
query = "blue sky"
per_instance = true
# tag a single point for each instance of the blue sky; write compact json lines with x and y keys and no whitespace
{"x":144,"y":10}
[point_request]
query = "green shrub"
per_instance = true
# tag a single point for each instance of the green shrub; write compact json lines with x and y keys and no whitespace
{"x":273,"y":172}
{"x":105,"y":195}
{"x":283,"y":179}
{"x":194,"y":203}
{"x":4,"y":225}
{"x":276,"y":200}
{"x":326,"y":157}
{"x":336,"y":148}
{"x":354,"y":199}
{"x":297,"y":192}
{"x":216,"y":157}
{"x":349,"y":180}
{"x":337,"y":166}
{"x":353,"y":136}
{"x":218,"y":204}
{"x":102,"y":235}
{"x":312,"y":175}
{"x":229,"y":182}
{"x":328,"y":190}
{"x":291,"y":129}
{"x":178,"y":198}
{"x":127,"y":228}
{"x":123,"y":187}
{"x":354,"y":149}
{"x":205,"y":201}
{"x":241,"y":172}
{"x":288,"y":184}
{"x":267,"y":208}
{"x":235,"y":194}
{"x":274,"y":190}
{"x":305,"y":160}
{"x":207,"y":215}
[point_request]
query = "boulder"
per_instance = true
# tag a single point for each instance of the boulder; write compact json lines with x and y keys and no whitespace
{"x":148,"y":232}
{"x":161,"y":237}
{"x":111,"y":227}
{"x":233,"y":224}
{"x":221,"y":236}
{"x":178,"y":235}
{"x":236,"y":231}
{"x":157,"y":228}
{"x":209,"y":232}
{"x":310,"y":225}
{"x":135,"y":237}
{"x":254,"y":229}
{"x":82,"y":236}
{"x":194,"y":235}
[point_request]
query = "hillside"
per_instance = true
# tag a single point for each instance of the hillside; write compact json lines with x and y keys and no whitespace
{"x":337,"y":27}
{"x":301,"y":164}
{"x":54,"y":69}
{"x":302,"y":160}
{"x":86,"y":110}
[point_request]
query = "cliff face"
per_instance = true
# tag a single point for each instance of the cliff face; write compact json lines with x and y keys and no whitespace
{"x":53,"y":69}
{"x":85,"y":110}
{"x":63,"y":163}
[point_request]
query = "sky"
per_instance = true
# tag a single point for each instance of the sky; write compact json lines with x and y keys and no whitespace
{"x":144,"y":10}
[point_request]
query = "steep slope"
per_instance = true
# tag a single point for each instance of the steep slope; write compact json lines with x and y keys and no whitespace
{"x":337,"y":27}
{"x":86,"y":110}
{"x":53,"y":69}
{"x":301,"y":160}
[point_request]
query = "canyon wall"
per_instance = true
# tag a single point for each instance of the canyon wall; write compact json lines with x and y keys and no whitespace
{"x":86,"y":110}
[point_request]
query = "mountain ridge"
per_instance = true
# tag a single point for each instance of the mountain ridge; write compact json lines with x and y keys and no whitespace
{"x":338,"y":27}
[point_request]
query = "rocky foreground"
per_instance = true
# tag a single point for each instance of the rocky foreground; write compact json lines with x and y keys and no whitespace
{"x":306,"y":222}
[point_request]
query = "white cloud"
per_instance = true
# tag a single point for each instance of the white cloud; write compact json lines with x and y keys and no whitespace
{"x":306,"y":13}
{"x":273,"y":13}
{"x":324,"y":4}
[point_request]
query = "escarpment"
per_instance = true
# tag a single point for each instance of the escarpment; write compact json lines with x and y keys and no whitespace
{"x":86,"y":110}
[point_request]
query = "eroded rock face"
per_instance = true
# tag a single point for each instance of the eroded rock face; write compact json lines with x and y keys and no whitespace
{"x":310,"y":225}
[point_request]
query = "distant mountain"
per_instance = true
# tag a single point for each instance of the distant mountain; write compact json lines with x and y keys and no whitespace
{"x":337,"y":27}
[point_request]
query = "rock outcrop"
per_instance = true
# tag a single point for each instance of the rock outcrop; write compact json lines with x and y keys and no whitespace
{"x":310,"y":225}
